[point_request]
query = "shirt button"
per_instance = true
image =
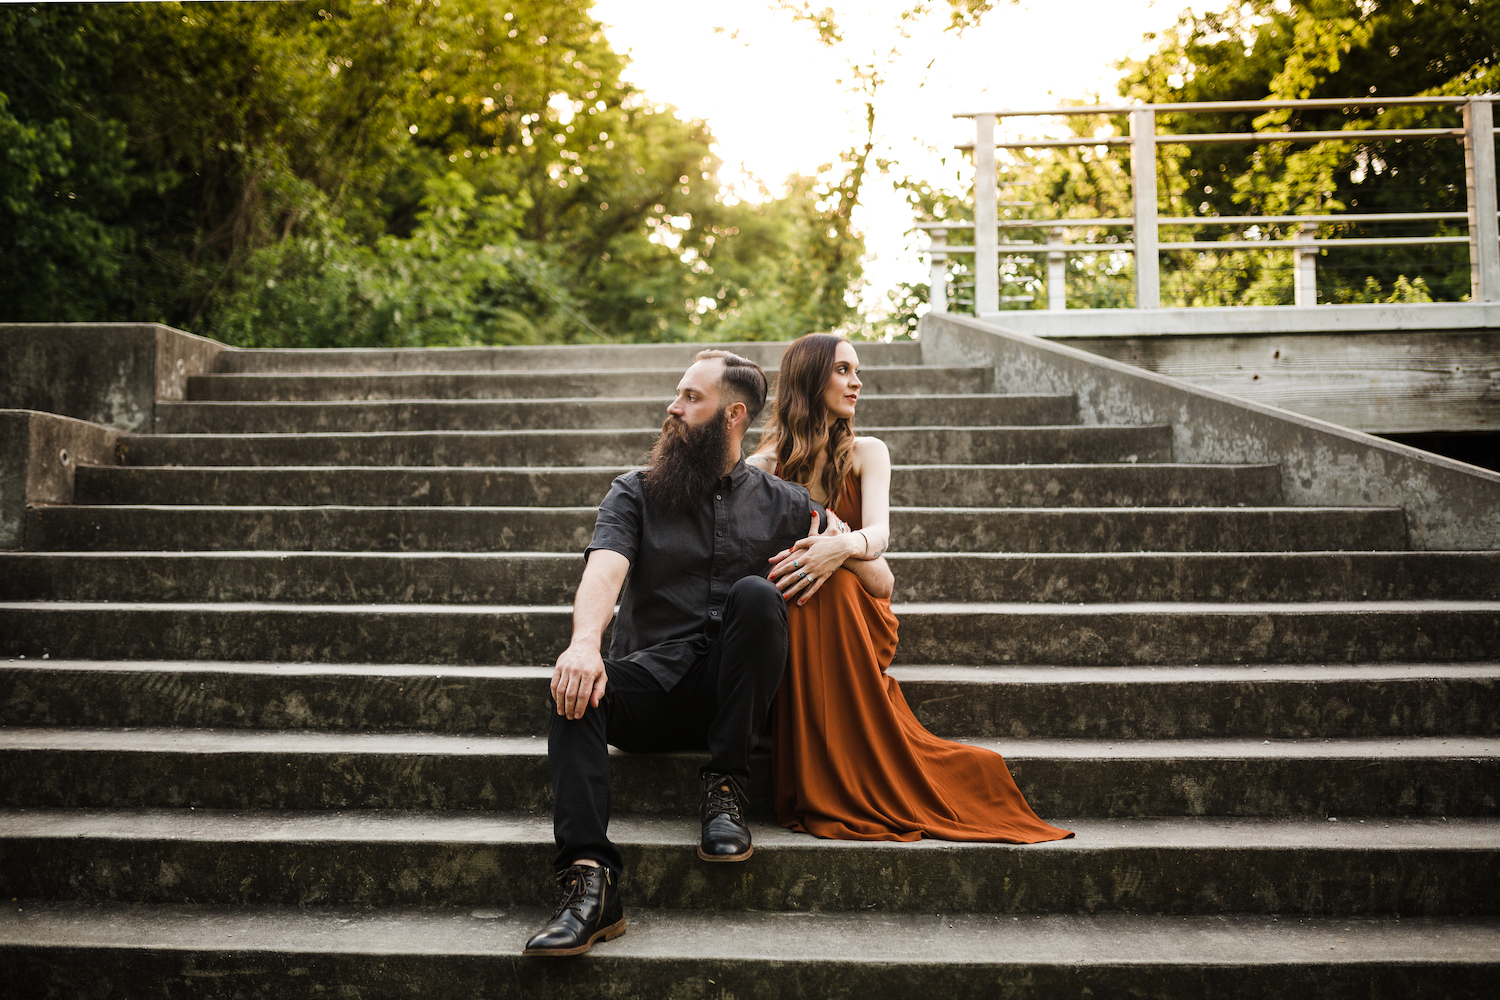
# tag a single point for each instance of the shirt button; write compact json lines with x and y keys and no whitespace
{"x":718,"y":496}
{"x":713,"y":614}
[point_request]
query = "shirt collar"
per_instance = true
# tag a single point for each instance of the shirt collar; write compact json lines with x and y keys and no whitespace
{"x":739,"y":473}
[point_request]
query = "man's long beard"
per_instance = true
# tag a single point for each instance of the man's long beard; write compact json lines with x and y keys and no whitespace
{"x":685,"y":464}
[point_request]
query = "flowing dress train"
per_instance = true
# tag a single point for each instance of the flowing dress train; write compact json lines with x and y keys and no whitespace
{"x":850,"y":760}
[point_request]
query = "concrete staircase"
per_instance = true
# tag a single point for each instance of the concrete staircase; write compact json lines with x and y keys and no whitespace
{"x":274,"y":709}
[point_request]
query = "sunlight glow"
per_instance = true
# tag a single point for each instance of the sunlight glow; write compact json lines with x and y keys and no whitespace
{"x":780,"y":103}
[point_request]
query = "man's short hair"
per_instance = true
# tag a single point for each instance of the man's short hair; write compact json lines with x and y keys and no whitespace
{"x":743,"y":380}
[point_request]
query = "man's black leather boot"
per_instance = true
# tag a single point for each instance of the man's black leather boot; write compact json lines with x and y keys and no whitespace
{"x":590,"y":910}
{"x":725,"y":835}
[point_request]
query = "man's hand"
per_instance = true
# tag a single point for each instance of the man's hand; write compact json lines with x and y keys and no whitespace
{"x":578,"y":680}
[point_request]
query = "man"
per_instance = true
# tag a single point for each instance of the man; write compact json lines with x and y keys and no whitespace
{"x":699,"y":643}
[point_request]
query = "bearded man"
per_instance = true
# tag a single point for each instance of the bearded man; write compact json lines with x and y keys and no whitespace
{"x":699,"y":643}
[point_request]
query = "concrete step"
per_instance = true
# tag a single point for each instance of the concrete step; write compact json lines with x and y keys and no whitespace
{"x":955,"y":410}
{"x":99,"y":527}
{"x":1117,"y":485}
{"x":581,"y":357}
{"x":360,"y":529}
{"x":903,"y":380}
{"x":321,"y":769}
{"x":1147,"y":529}
{"x":1415,"y":868}
{"x":1353,"y":701}
{"x":976,"y":634}
{"x":952,"y":445}
{"x":527,"y":578}
{"x":386,"y":953}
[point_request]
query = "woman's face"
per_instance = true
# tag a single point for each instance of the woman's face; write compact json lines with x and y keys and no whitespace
{"x":842,"y":391}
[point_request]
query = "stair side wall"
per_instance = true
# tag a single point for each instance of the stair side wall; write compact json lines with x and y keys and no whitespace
{"x":39,"y":453}
{"x":1449,"y":505}
{"x":107,"y":373}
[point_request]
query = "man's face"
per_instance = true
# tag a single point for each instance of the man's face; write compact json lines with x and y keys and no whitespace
{"x":698,"y":393}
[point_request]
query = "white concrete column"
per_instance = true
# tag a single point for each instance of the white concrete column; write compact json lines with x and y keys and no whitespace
{"x":1057,"y":274}
{"x":986,"y":218}
{"x":937,"y":280}
{"x":1143,"y":195}
{"x":1484,"y":233}
{"x":1304,"y":266}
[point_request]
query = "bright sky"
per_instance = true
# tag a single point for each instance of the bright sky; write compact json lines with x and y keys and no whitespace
{"x":780,"y":103}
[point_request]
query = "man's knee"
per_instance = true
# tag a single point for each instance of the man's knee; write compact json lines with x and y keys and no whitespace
{"x":756,"y":596}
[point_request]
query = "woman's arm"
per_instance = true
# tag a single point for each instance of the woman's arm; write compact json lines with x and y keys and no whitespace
{"x":860,"y":552}
{"x":872,"y":463}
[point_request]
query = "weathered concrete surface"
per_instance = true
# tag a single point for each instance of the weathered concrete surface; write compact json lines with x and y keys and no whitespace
{"x":1145,"y":529}
{"x":452,"y":634}
{"x":941,"y":410}
{"x":1359,"y":701}
{"x":1166,"y":634}
{"x":258,"y":769}
{"x":1379,"y":383}
{"x":1362,"y":700}
{"x":979,"y":634}
{"x":107,"y":373}
{"x":897,"y":379}
{"x":1179,"y":576}
{"x":1182,"y":866}
{"x":176,"y":528}
{"x":1117,"y":485}
{"x":767,"y":354}
{"x":531,"y":578}
{"x":952,"y":445}
{"x":1449,"y":505}
{"x":169,"y":528}
{"x":39,"y":456}
{"x":124,"y":951}
{"x":1249,"y":320}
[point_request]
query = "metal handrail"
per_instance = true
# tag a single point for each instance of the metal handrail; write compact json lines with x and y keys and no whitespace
{"x":1197,"y":138}
{"x":1478,"y":135}
{"x":1207,"y":220}
{"x":1275,"y":105}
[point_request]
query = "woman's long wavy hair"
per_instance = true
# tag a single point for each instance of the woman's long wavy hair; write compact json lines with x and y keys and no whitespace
{"x":800,"y":428}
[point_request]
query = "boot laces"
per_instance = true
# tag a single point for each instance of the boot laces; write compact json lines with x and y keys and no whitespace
{"x":575,"y":883}
{"x":723,"y":797}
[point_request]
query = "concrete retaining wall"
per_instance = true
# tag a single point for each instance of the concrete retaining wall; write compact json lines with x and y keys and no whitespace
{"x":1449,"y":505}
{"x":39,"y":453}
{"x":108,"y":373}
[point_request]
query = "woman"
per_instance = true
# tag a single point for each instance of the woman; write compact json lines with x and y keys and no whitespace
{"x":851,"y":760}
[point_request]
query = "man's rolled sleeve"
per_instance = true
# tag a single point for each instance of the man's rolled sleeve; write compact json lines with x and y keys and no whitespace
{"x":618,"y":527}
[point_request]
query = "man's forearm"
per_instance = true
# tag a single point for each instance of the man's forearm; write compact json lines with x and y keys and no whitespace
{"x":874,"y":575}
{"x":594,"y":605}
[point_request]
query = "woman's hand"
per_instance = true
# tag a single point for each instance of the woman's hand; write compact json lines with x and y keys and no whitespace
{"x":800,"y":570}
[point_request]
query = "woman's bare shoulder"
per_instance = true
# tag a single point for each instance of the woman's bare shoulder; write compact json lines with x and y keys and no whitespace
{"x":764,"y":461}
{"x":868,"y":448}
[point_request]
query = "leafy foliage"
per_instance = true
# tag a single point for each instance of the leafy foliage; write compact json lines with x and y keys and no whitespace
{"x":1251,"y":51}
{"x":383,"y":172}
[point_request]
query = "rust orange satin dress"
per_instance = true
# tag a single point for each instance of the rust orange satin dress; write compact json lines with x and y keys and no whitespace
{"x":851,"y":761}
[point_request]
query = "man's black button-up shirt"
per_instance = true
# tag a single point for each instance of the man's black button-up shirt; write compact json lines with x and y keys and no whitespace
{"x":681,"y":568}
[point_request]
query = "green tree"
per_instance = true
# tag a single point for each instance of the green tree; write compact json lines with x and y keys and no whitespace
{"x":392,"y":172}
{"x":1318,"y":49}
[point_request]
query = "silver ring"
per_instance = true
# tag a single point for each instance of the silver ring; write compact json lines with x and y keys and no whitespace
{"x":801,"y":575}
{"x":796,"y":564}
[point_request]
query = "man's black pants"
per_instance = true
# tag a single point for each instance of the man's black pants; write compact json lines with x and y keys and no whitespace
{"x":719,"y":705}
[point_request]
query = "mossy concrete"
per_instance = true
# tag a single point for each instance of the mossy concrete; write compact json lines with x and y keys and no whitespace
{"x":561,"y":448}
{"x":1363,"y":700}
{"x":230,"y":417}
{"x":121,"y":952}
{"x":1197,"y":867}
